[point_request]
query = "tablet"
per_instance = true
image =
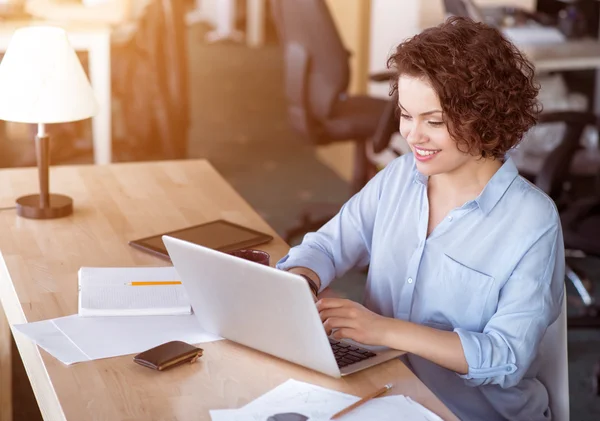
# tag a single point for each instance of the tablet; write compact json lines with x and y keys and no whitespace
{"x":219,"y":235}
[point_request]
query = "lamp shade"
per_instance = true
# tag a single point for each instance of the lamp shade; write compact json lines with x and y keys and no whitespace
{"x":42,"y":80}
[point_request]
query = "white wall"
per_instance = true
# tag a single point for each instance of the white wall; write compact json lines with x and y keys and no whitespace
{"x":392,"y":21}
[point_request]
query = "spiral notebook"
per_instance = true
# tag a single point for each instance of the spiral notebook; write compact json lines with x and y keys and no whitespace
{"x":105,"y":292}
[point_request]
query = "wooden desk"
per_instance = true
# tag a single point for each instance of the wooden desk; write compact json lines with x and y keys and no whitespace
{"x":113,"y":204}
{"x":570,"y":55}
{"x":95,"y":39}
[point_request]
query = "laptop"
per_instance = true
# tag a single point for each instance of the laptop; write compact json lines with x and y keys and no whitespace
{"x":266,"y":309}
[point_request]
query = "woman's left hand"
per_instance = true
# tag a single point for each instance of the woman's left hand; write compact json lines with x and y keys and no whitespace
{"x":352,"y":321}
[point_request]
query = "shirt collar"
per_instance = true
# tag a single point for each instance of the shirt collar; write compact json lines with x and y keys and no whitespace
{"x":494,"y":189}
{"x":497,"y":186}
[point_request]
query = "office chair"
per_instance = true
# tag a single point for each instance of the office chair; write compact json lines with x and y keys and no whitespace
{"x":463,"y":8}
{"x":317,"y":76}
{"x":569,"y":163}
{"x":580,"y":217}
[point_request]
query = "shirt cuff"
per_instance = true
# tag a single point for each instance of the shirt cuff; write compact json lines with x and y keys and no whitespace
{"x":480,"y":372}
{"x":312,"y":259}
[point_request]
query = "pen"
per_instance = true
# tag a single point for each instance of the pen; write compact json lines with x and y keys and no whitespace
{"x":362,"y":401}
{"x":152,"y":283}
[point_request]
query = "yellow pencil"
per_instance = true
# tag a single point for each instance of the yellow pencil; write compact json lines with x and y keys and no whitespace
{"x":152,"y":283}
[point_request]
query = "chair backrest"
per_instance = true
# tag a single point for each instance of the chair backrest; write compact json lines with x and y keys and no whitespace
{"x":463,"y":8}
{"x":317,"y":70}
{"x":555,"y":169}
{"x":554,"y":367}
{"x":389,"y":125}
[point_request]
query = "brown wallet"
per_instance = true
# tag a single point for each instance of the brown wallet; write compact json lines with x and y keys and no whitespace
{"x":168,"y":355}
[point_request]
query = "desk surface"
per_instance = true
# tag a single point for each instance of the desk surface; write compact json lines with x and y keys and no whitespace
{"x":569,"y":55}
{"x":114,"y":204}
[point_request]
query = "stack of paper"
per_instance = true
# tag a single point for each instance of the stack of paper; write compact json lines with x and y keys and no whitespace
{"x":106,"y":292}
{"x":119,"y":319}
{"x":298,"y":401}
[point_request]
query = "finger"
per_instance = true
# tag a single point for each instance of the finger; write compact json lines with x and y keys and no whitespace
{"x":343,"y":333}
{"x":344,"y":312}
{"x":338,"y":323}
{"x":325,"y":303}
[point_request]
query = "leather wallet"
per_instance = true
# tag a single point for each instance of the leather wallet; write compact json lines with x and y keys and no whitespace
{"x":168,"y":355}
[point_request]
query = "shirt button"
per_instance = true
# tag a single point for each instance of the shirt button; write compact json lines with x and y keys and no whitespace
{"x":450,"y":218}
{"x":409,"y":280}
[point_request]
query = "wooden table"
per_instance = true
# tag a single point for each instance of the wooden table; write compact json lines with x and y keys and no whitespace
{"x":113,"y":204}
{"x":570,"y":55}
{"x":95,"y":39}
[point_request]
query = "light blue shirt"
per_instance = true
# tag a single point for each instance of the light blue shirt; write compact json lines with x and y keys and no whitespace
{"x":492,"y":271}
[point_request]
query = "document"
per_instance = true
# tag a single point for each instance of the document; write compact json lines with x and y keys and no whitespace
{"x":106,"y":292}
{"x":299,"y":401}
{"x":75,"y":339}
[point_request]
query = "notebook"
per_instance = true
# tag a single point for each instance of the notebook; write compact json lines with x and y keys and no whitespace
{"x":104,"y":292}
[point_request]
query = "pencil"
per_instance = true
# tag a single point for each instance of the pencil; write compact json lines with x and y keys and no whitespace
{"x":152,"y":283}
{"x":362,"y":401}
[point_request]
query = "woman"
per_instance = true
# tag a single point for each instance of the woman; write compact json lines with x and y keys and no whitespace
{"x":466,"y":258}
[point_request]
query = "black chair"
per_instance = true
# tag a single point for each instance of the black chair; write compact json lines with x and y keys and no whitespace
{"x":565,"y":169}
{"x":580,"y":217}
{"x":461,"y":8}
{"x":317,"y":75}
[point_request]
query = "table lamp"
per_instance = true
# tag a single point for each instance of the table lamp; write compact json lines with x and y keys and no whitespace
{"x":42,"y":82}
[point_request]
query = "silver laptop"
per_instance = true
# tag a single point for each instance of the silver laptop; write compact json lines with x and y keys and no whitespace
{"x":264,"y":308}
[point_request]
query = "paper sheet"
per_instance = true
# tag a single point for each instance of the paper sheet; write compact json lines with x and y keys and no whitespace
{"x":126,"y":300}
{"x":391,"y":408}
{"x":292,"y":396}
{"x":307,"y":402}
{"x":74,"y":339}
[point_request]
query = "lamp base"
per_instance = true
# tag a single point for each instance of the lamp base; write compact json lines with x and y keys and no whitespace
{"x":30,"y":207}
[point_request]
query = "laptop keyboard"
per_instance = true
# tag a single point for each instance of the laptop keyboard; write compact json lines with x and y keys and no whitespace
{"x":346,"y":354}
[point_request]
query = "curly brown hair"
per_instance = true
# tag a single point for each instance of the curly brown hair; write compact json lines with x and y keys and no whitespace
{"x":485,"y":85}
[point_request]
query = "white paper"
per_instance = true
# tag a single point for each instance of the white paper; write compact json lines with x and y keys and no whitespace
{"x":74,"y":339}
{"x":391,"y":408}
{"x":319,"y":404}
{"x":430,"y":416}
{"x":103,"y":292}
{"x":309,"y":400}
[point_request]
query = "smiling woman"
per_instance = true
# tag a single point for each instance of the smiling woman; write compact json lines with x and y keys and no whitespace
{"x":484,"y":86}
{"x":465,"y":257}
